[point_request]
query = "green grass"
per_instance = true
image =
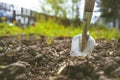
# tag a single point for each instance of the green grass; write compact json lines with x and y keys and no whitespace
{"x":52,"y":29}
{"x":6,"y":30}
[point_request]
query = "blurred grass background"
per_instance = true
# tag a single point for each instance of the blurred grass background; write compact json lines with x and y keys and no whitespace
{"x":52,"y":29}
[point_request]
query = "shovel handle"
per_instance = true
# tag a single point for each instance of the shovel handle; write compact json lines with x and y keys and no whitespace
{"x":89,"y":5}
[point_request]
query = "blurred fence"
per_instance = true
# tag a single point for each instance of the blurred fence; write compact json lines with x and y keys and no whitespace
{"x":17,"y":15}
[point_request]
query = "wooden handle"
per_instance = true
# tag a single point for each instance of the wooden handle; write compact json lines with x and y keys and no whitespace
{"x":89,"y":5}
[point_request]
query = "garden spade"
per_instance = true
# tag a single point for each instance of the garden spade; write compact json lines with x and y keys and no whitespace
{"x":83,"y":44}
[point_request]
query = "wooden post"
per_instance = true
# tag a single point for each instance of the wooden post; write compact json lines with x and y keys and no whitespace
{"x":24,"y":17}
{"x":5,"y":7}
{"x":29,"y":17}
{"x":21,"y":11}
{"x":14,"y":15}
{"x":28,"y":21}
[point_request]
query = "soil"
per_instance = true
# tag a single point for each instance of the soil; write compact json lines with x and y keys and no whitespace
{"x":41,"y":58}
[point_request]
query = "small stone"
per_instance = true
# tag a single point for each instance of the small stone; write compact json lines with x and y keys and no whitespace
{"x":119,"y":40}
{"x":110,"y":53}
{"x":116,"y":73}
{"x":105,"y":78}
{"x":110,"y":66}
{"x":18,"y":48}
{"x":100,"y":73}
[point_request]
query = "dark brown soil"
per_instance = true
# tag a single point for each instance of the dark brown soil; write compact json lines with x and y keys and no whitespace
{"x":40,"y":58}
